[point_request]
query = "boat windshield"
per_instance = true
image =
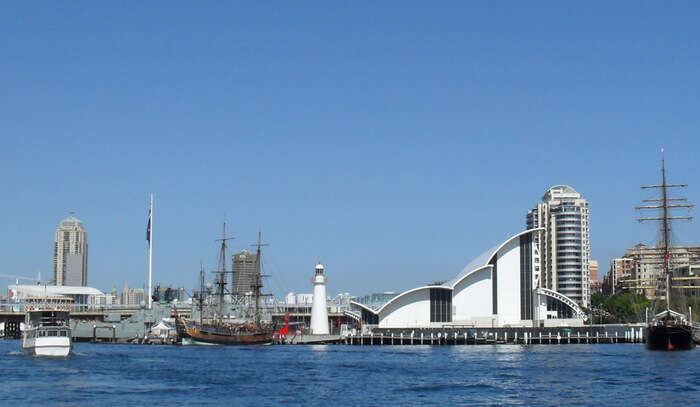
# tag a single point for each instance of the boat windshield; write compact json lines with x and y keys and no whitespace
{"x":49,"y":318}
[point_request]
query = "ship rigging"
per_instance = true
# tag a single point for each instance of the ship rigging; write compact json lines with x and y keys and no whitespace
{"x":667,"y":330}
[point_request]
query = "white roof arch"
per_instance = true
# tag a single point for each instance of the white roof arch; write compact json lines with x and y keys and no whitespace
{"x":442,"y":287}
{"x":479,"y":263}
{"x":485,"y":258}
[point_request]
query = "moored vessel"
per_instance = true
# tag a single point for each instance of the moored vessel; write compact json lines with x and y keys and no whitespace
{"x":47,"y":332}
{"x":219,"y":330}
{"x":667,"y":330}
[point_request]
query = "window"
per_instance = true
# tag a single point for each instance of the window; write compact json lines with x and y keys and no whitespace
{"x":440,"y":305}
{"x":526,"y":277}
{"x":369,"y":318}
{"x":494,"y":283}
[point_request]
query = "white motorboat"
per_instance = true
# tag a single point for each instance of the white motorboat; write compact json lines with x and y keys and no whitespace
{"x":47,"y":332}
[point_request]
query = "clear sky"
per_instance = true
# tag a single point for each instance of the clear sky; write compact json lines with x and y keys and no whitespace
{"x":392,"y":141}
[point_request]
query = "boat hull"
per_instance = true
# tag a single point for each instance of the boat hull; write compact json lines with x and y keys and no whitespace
{"x":57,"y":347}
{"x":669,"y":337}
{"x":187,"y":341}
{"x":194,"y":335}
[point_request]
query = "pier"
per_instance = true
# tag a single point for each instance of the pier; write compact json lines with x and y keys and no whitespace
{"x":589,"y":334}
{"x":113,"y":324}
{"x":132,"y":325}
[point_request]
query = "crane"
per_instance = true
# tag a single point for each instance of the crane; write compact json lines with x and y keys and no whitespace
{"x":17,"y":278}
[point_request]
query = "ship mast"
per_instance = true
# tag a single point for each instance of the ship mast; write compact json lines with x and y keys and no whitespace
{"x":201,"y":293}
{"x":665,"y":222}
{"x":257,"y":284}
{"x":221,"y":281}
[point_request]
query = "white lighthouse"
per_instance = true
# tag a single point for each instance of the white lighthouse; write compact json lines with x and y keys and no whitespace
{"x":319,"y":309}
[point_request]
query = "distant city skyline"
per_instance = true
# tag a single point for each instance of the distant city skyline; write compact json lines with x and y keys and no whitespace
{"x":394,"y":141}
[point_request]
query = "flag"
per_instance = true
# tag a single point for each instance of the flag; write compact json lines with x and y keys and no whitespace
{"x":148,"y":226}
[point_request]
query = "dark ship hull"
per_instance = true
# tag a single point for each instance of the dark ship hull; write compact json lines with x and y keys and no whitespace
{"x":669,"y":337}
{"x":194,"y":334}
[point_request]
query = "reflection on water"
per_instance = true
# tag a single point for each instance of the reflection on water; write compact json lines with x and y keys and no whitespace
{"x":355,"y":375}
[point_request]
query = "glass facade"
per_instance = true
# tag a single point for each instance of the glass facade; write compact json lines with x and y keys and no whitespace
{"x":526,"y":276}
{"x":494,"y":282}
{"x":369,"y":318}
{"x":440,"y":305}
{"x":563,"y":310}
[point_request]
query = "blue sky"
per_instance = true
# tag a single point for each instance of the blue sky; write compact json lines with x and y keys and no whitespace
{"x":394,"y":142}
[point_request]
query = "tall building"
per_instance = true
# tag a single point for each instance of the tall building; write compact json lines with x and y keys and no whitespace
{"x":641,"y":270}
{"x":564,"y":245}
{"x":620,"y":269}
{"x":70,"y":254}
{"x":593,"y":270}
{"x":133,"y":296}
{"x":244,"y":267}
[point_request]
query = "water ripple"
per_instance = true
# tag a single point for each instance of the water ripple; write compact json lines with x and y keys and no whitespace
{"x":321,"y":375}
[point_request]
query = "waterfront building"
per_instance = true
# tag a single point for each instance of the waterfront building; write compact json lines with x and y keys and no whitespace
{"x":620,"y":269}
{"x":299,"y":299}
{"x":244,"y":266}
{"x":132,"y":296}
{"x":115,"y":294}
{"x":564,"y":243}
{"x":103,"y":299}
{"x":168,"y":294}
{"x":642,"y":270}
{"x":319,"y":307}
{"x":70,"y":253}
{"x":61,"y":294}
{"x":593,"y":270}
{"x":500,"y":288}
{"x":595,"y":284}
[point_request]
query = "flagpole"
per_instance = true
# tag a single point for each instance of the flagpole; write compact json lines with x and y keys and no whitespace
{"x":150,"y":254}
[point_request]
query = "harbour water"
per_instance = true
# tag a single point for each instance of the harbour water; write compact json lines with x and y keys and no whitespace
{"x":605,"y":374}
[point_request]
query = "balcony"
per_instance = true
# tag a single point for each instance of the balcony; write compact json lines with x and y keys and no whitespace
{"x":568,"y":261}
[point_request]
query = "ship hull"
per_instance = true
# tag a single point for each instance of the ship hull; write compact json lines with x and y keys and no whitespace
{"x":57,"y":347}
{"x":194,"y":335}
{"x":669,"y":337}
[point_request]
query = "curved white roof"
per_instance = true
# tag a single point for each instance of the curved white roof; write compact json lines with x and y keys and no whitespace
{"x":484,"y":258}
{"x":477,"y":264}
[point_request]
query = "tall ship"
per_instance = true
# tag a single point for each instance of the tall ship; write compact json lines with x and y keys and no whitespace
{"x":47,"y":332}
{"x":216,"y":325}
{"x":668,"y":329}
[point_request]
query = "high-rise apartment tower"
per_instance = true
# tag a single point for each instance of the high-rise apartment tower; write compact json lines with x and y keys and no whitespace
{"x":244,"y":269}
{"x":564,"y":245}
{"x":70,"y":253}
